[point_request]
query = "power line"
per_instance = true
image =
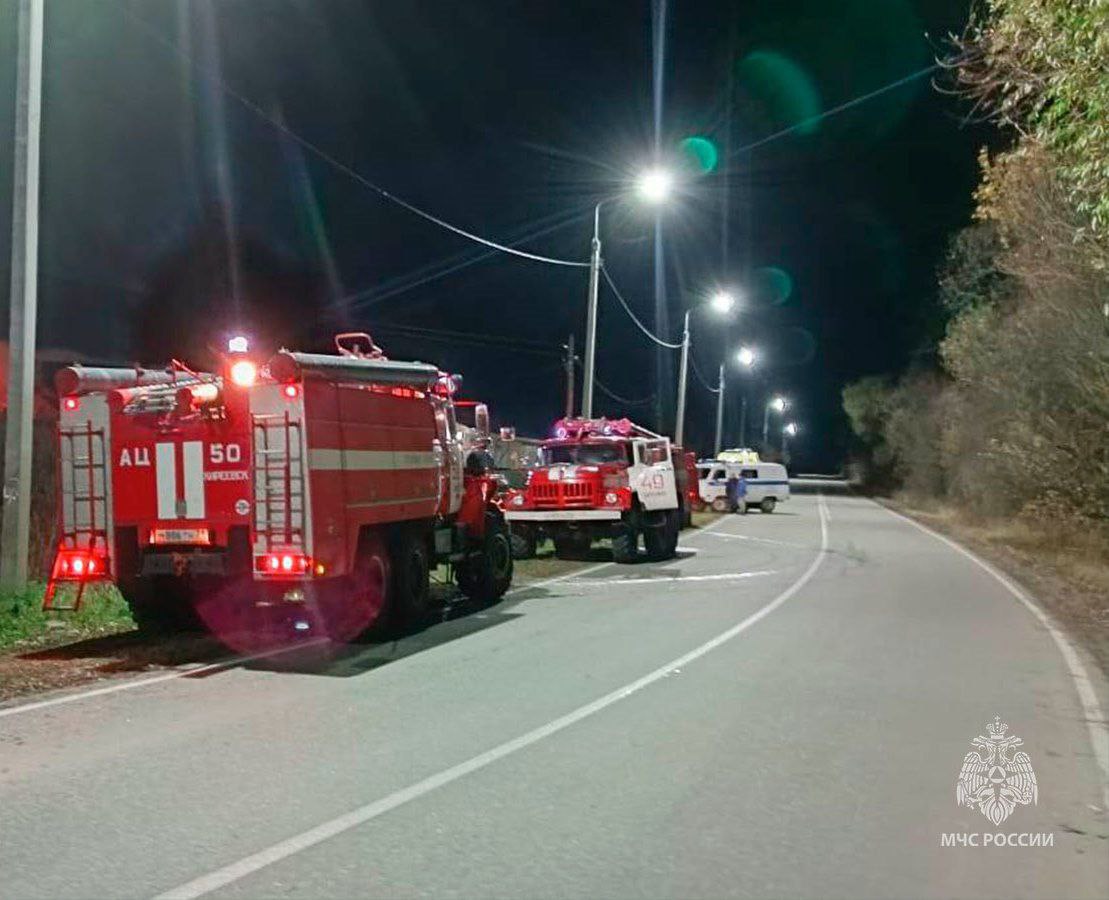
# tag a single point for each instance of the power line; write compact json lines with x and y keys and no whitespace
{"x":835,"y":110}
{"x":624,"y":400}
{"x":427,"y":274}
{"x":335,"y":163}
{"x":632,"y":316}
{"x":463,"y":337}
{"x":704,"y":382}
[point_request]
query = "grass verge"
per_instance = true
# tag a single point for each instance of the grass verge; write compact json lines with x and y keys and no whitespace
{"x":24,"y":624}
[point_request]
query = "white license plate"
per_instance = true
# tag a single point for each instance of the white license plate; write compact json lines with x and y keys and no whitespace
{"x":180,"y":536}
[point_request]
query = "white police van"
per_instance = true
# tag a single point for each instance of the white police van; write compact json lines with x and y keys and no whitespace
{"x":763,"y":485}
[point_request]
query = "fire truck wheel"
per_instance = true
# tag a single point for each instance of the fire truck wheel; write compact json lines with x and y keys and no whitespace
{"x":411,"y":588}
{"x":486,"y":575}
{"x":524,"y":541}
{"x":625,"y":545}
{"x":363,"y":608}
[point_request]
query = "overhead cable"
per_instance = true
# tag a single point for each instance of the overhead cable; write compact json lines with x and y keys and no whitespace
{"x":632,"y":316}
{"x":340,"y":166}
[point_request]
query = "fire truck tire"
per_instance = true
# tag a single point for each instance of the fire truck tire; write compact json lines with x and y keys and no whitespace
{"x":625,"y":545}
{"x":160,"y":605}
{"x":363,"y":609}
{"x":486,"y":575}
{"x":411,"y":589}
{"x":524,"y":541}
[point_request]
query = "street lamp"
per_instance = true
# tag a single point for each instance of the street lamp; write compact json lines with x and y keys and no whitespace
{"x":721,"y":303}
{"x":778,"y":404}
{"x":788,"y":431}
{"x":654,"y":187}
{"x":745,"y":356}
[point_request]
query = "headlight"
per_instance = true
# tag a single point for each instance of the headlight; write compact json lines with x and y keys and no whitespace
{"x":518,"y":500}
{"x":611,"y":499}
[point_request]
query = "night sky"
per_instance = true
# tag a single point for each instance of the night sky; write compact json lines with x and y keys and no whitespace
{"x":511,"y":120}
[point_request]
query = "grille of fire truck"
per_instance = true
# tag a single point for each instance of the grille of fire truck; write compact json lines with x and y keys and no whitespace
{"x":83,"y":496}
{"x":562,"y":494}
{"x":278,"y":481}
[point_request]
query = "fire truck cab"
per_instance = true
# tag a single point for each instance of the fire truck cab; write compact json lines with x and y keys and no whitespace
{"x":602,"y":478}
{"x":320,"y":488}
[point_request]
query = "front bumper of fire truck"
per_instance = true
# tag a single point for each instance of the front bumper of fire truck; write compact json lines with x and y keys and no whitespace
{"x":562,"y":515}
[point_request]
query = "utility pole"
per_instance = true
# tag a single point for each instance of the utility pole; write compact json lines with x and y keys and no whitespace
{"x":15,"y":532}
{"x":743,"y":419}
{"x":591,"y":318}
{"x":766,"y":427}
{"x":679,"y":428}
{"x":568,"y":365}
{"x":719,"y":412}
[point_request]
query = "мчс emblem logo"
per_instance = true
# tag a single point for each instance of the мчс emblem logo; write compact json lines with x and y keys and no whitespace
{"x":994,"y":779}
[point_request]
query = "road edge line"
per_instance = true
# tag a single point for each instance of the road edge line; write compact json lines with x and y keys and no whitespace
{"x":248,"y":865}
{"x":1096,"y":724}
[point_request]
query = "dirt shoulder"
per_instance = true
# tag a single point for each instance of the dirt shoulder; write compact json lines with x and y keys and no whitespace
{"x":1065,"y":567}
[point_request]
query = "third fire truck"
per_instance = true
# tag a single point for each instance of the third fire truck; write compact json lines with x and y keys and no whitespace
{"x":602,"y":478}
{"x":311,"y":491}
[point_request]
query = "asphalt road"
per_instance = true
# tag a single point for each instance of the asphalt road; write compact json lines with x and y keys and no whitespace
{"x":782,"y":711}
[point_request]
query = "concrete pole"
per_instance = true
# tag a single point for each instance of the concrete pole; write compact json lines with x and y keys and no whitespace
{"x":569,"y":368}
{"x":719,"y":412}
{"x":743,"y":419}
{"x":679,"y":428}
{"x":15,"y":531}
{"x":591,"y":318}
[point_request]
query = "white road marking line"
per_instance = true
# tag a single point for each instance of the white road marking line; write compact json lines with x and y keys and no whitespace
{"x":748,"y":537}
{"x":168,"y":676}
{"x":283,"y":849}
{"x":726,"y":576}
{"x":1096,"y":723}
{"x":197,"y":670}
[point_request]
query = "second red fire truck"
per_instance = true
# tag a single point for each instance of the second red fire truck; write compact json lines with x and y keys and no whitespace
{"x":604,"y":478}
{"x":315,"y":491}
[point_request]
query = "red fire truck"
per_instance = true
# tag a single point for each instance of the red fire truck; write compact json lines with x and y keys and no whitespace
{"x":315,"y":491}
{"x":602,"y":478}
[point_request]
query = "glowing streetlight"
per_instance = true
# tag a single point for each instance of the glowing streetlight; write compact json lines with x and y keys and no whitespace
{"x":790,"y":429}
{"x":722,"y":302}
{"x":777,"y":403}
{"x":653,"y":186}
{"x":745,"y":357}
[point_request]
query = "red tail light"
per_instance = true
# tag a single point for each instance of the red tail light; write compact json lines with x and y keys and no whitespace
{"x":79,"y":565}
{"x":71,"y":404}
{"x":283,"y":564}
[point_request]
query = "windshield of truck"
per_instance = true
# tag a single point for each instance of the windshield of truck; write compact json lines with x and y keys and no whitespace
{"x":584,"y":454}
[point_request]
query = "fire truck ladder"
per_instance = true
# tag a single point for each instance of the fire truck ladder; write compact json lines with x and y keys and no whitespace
{"x":278,"y":481}
{"x":83,"y":470}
